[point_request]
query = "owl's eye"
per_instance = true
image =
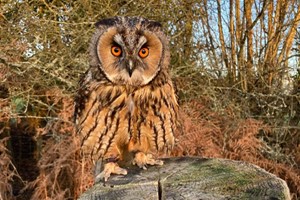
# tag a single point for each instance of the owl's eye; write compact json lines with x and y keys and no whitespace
{"x":144,"y":52}
{"x":116,"y":51}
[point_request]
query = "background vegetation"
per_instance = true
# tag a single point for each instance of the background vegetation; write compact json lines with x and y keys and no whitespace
{"x":235,"y":63}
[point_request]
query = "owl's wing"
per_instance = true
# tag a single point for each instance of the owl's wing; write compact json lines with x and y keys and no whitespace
{"x":82,"y":94}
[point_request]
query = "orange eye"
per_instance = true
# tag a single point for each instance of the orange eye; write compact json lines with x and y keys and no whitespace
{"x":144,"y":52}
{"x":116,"y":51}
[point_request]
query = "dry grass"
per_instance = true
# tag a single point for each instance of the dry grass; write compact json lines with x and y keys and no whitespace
{"x":63,"y":174}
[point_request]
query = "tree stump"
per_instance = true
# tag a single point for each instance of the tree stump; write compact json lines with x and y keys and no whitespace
{"x":192,"y":178}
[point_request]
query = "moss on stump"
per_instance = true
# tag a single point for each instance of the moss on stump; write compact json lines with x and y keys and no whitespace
{"x":192,"y":178}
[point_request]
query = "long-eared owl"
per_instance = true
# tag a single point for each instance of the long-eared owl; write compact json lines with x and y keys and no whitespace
{"x":126,"y":107}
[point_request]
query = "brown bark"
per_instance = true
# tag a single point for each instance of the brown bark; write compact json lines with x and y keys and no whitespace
{"x":270,"y":35}
{"x":290,"y":37}
{"x":221,"y":36}
{"x":246,"y":69}
{"x":249,"y":36}
{"x":232,"y":73}
{"x":275,"y":35}
{"x":240,"y":53}
{"x":188,"y":6}
{"x":210,"y":46}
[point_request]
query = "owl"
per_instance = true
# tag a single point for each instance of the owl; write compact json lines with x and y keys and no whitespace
{"x":126,"y":108}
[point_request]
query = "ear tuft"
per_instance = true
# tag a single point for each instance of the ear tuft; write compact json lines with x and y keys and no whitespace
{"x":152,"y":24}
{"x":107,"y":22}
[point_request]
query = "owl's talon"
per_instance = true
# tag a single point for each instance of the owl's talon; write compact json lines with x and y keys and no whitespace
{"x":142,"y":160}
{"x":110,"y":168}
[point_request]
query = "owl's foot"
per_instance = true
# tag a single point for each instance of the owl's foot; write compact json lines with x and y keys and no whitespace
{"x":142,"y":160}
{"x":110,"y":168}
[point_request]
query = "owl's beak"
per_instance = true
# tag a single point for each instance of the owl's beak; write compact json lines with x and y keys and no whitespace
{"x":130,"y":67}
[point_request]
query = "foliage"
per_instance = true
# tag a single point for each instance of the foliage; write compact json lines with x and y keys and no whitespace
{"x":8,"y":171}
{"x":236,"y":78}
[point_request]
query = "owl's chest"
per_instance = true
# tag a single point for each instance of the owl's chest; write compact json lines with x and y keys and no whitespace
{"x":152,"y":119}
{"x":130,"y":105}
{"x":139,"y":112}
{"x":113,"y":119}
{"x":141,"y":109}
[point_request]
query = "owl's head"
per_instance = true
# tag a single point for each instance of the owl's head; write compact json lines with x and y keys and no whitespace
{"x":129,"y":50}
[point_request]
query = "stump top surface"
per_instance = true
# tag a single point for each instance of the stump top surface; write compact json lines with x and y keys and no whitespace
{"x":192,"y":178}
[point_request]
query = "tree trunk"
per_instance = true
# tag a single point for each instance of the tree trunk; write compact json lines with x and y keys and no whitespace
{"x":222,"y":41}
{"x":232,"y":74}
{"x":249,"y":35}
{"x":240,"y":53}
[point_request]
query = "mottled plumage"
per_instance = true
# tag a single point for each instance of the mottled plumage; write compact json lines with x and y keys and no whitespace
{"x":126,"y":106}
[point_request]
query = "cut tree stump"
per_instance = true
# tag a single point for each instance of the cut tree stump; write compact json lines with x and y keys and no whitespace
{"x":192,"y":178}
